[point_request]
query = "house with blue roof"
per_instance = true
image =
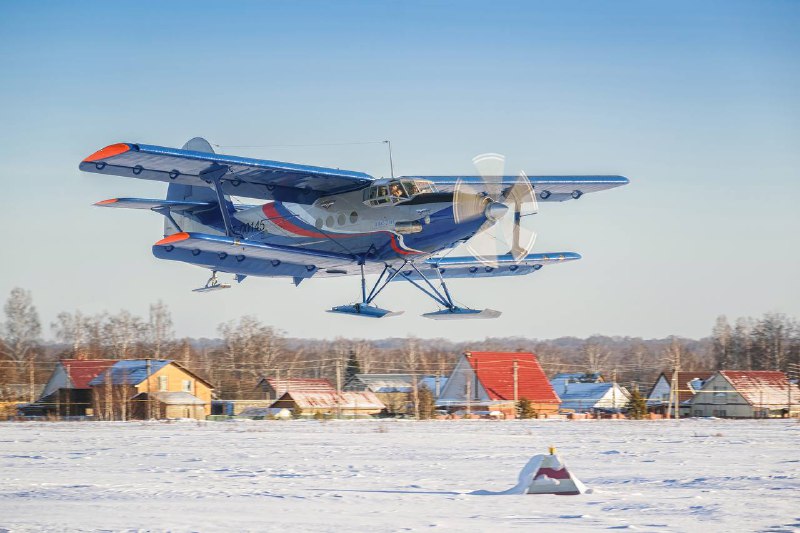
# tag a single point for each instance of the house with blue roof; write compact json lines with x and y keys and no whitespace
{"x":585,"y":393}
{"x":149,"y":388}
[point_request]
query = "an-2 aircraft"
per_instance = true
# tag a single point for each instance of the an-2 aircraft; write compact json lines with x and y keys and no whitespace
{"x":322,"y":222}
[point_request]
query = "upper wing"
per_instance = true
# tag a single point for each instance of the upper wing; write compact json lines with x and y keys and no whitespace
{"x":253,"y":178}
{"x":548,"y":188}
{"x":504,"y":265}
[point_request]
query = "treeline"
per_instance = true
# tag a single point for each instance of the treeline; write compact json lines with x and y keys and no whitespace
{"x":243,"y":351}
{"x":771,"y":342}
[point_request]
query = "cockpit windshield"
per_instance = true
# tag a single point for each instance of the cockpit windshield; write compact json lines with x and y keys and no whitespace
{"x":396,"y":191}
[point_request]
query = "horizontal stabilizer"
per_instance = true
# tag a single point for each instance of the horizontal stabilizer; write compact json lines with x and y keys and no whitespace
{"x":153,"y":204}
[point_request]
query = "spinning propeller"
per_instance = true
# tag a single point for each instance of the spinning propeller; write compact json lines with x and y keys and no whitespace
{"x":506,"y":206}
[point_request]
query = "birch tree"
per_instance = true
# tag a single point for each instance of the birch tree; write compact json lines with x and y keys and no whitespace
{"x":21,"y":331}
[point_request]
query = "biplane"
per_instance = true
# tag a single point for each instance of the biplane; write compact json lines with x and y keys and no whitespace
{"x":301,"y":222}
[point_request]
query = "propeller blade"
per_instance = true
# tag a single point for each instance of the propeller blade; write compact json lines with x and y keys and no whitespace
{"x":468,"y":202}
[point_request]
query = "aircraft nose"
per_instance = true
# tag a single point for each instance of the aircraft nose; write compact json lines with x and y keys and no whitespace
{"x":495,"y":211}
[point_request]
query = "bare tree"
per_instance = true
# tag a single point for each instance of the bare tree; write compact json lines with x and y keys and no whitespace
{"x":72,"y":329}
{"x":122,"y":333}
{"x":721,"y":335}
{"x":596,"y":357}
{"x":412,"y":359}
{"x":160,"y":333}
{"x":21,"y":331}
{"x":252,"y":351}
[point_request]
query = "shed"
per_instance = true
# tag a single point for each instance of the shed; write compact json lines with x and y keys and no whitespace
{"x":169,"y":405}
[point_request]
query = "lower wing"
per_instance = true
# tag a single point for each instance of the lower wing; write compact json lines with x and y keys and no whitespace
{"x":503,"y":265}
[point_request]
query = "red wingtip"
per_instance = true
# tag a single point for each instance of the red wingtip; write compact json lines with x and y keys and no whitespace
{"x":175,"y":237}
{"x":108,"y":202}
{"x":108,"y":151}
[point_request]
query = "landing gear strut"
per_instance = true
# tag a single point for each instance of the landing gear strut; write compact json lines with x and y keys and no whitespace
{"x":212,"y":284}
{"x":364,"y":308}
{"x":441,"y":297}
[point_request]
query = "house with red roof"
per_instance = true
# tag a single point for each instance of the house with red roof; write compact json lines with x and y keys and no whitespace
{"x":747,"y":394}
{"x":496,"y":381}
{"x":67,"y":392}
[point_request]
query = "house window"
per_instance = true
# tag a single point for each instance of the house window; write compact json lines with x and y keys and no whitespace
{"x":186,"y":385}
{"x":162,"y":383}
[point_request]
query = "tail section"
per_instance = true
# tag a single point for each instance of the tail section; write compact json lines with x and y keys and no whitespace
{"x":203,"y":220}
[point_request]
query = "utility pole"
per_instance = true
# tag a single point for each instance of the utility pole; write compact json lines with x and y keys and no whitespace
{"x":338,"y":388}
{"x":516,"y":382}
{"x":32,"y":392}
{"x":673,"y":390}
{"x":614,"y":389}
{"x":793,"y":368}
{"x":149,"y":406}
{"x":469,"y":395}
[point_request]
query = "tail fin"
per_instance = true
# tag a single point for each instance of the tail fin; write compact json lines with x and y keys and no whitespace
{"x":206,"y":221}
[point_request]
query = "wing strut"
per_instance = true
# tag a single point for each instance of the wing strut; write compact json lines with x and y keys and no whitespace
{"x":215,"y":175}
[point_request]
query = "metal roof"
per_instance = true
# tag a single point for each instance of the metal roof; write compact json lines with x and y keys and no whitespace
{"x":579,"y":396}
{"x":299,"y":384}
{"x":495,"y":371}
{"x":130,"y":371}
{"x":686,"y":389}
{"x":761,"y":387}
{"x":383,"y":383}
{"x":82,"y":371}
{"x":175,"y":398}
{"x":334,"y":400}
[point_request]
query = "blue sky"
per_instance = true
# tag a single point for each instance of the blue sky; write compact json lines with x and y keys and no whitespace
{"x":696,"y":102}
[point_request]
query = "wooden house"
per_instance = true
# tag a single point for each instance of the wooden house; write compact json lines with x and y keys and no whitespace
{"x":150,"y":388}
{"x":496,"y":381}
{"x":747,"y":394}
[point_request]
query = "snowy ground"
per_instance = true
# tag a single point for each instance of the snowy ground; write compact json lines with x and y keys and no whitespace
{"x":693,"y":475}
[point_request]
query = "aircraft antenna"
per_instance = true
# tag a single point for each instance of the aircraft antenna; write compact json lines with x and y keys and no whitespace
{"x":391,"y":163}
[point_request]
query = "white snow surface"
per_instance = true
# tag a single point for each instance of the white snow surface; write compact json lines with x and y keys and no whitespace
{"x":369,"y":475}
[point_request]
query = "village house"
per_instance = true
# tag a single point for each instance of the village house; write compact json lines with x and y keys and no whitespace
{"x":688,"y":384}
{"x":67,"y":392}
{"x":587,"y":393}
{"x":747,"y":394}
{"x":495,"y":381}
{"x":394,"y":390}
{"x":274,"y":388}
{"x":330,"y":404}
{"x":149,"y":388}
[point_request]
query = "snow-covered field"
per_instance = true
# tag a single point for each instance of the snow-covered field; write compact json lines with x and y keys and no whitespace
{"x":692,"y":475}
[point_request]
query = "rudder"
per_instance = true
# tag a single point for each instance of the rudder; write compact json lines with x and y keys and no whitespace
{"x":207,"y":221}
